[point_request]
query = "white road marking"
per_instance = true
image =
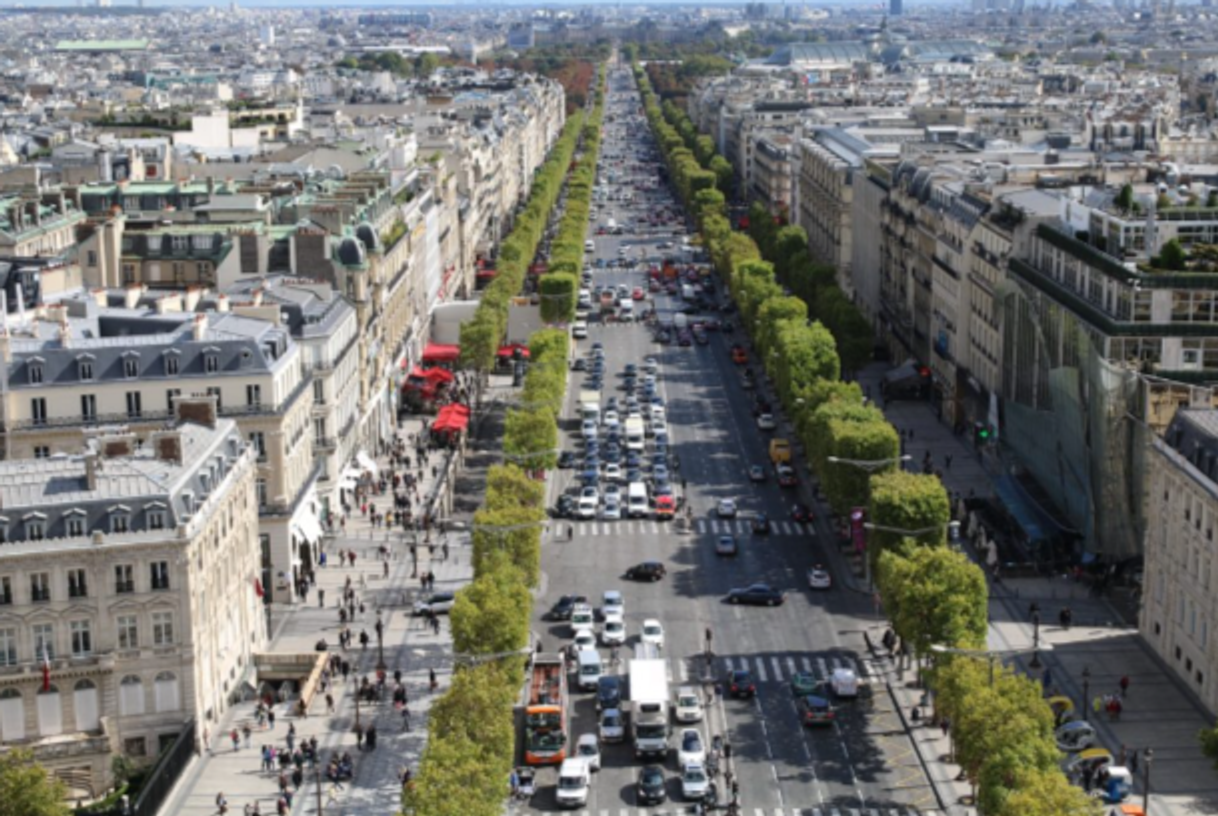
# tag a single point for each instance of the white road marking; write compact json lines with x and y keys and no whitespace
{"x":761,"y":675}
{"x":777,"y":669}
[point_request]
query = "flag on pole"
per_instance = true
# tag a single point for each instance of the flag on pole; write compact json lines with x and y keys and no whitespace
{"x":258,"y":588}
{"x":46,"y":669}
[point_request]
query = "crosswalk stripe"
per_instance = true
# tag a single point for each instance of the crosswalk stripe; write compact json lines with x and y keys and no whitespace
{"x":777,"y":669}
{"x":682,"y":670}
{"x":781,"y":527}
{"x":806,"y":663}
{"x":655,"y":528}
{"x":822,"y":666}
{"x":728,"y":661}
{"x":714,"y":525}
{"x":791,"y":665}
{"x":742,"y":527}
{"x":761,"y":675}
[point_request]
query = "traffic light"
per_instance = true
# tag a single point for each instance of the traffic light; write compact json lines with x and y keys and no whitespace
{"x":981,"y":434}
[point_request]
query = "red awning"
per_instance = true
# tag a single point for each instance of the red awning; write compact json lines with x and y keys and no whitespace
{"x":454,"y":417}
{"x":440,"y":353}
{"x":433,"y":374}
{"x":487,"y":273}
{"x":509,"y":350}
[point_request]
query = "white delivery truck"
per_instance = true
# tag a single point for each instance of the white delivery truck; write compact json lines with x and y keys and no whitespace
{"x":649,"y":698}
{"x":687,"y":292}
{"x":637,"y":503}
{"x":636,"y":434}
{"x":590,"y":405}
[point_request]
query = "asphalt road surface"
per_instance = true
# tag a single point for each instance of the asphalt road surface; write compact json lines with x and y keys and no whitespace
{"x":863,"y":763}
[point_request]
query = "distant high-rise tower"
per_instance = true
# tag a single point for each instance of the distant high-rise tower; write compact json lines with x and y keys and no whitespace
{"x":896,"y":7}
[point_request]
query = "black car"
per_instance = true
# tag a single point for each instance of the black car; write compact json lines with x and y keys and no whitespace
{"x":647,"y":571}
{"x":566,"y":460}
{"x":760,"y":524}
{"x":756,"y":595}
{"x":608,"y":692}
{"x":565,"y":506}
{"x":740,"y":683}
{"x":561,"y":610}
{"x":580,"y":364}
{"x":651,"y":788}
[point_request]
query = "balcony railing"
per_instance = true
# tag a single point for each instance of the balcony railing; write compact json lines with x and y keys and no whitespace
{"x":324,"y":444}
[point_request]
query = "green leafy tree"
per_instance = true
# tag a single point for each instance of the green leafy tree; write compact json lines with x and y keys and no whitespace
{"x":509,"y":486}
{"x":26,"y":789}
{"x":1039,"y":792}
{"x":558,"y":291}
{"x":906,"y":503}
{"x":1208,"y":737}
{"x":530,"y":438}
{"x":515,"y":531}
{"x":455,"y":777}
{"x":1124,"y":198}
{"x":491,"y":614}
{"x":725,"y":174}
{"x":934,"y":595}
{"x":1173,"y":256}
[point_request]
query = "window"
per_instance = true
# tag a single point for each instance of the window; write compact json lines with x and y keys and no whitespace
{"x":42,"y":451}
{"x":38,"y":410}
{"x":120,"y":522}
{"x":166,"y":687}
{"x":84,"y":368}
{"x":44,"y":640}
{"x":82,"y":638}
{"x":91,"y":257}
{"x":253,"y":396}
{"x":35,"y":529}
{"x":8,"y":647}
{"x":181,"y":243}
{"x":76,"y":526}
{"x":258,"y":443}
{"x":134,"y":408}
{"x":131,"y":696}
{"x":40,"y":586}
{"x":156,"y":519}
{"x":34,"y":373}
{"x":319,"y":392}
{"x":214,"y":391}
{"x":211,"y":363}
{"x":260,"y":491}
{"x":162,"y":628}
{"x":78,"y":584}
{"x":124,"y":579}
{"x":135,"y":746}
{"x":6,"y":591}
{"x":171,"y":364}
{"x":128,"y":273}
{"x":88,"y":407}
{"x":128,"y":632}
{"x":170,"y":396}
{"x":160,"y":574}
{"x":131,"y":366}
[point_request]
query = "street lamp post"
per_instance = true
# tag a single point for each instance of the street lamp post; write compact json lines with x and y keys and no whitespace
{"x":981,"y":654}
{"x":380,"y":642}
{"x":1146,"y":762}
{"x":1035,"y":662}
{"x":1086,"y":692}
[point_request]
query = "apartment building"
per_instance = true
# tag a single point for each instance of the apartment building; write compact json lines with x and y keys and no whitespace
{"x":84,"y":363}
{"x":133,"y":570}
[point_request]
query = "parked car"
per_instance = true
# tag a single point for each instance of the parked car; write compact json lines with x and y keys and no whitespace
{"x":438,"y":603}
{"x":647,"y":571}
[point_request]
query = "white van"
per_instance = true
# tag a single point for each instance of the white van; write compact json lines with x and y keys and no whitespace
{"x":625,"y":310}
{"x":637,"y":504}
{"x":680,"y":320}
{"x":584,"y":301}
{"x":579,"y":330}
{"x":589,"y":245}
{"x":573,"y":783}
{"x":582,"y":618}
{"x":589,"y":669}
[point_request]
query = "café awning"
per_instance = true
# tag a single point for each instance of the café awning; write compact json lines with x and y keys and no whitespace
{"x":441,"y":353}
{"x":509,"y":350}
{"x":454,"y":417}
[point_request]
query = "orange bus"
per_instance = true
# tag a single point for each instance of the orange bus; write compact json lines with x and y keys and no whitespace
{"x":545,"y":717}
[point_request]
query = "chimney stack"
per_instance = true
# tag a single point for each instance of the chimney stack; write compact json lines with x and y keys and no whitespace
{"x":132,"y":294}
{"x":197,"y":408}
{"x":200,"y":327}
{"x":93,"y":468}
{"x":168,"y":446}
{"x":194,"y":293}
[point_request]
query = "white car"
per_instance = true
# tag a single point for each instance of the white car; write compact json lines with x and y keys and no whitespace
{"x":695,"y":783}
{"x":586,"y":509}
{"x":589,"y":429}
{"x":766,"y":422}
{"x":588,"y":748}
{"x":689,"y":705}
{"x":612,"y":725}
{"x":611,"y":419}
{"x":614,"y":631}
{"x":652,"y":632}
{"x":613,"y":491}
{"x":612,"y":603}
{"x":690,"y":748}
{"x":613,"y":472}
{"x":584,"y":639}
{"x":819,"y":578}
{"x":726,"y":508}
{"x":611,"y":511}
{"x":651,"y":365}
{"x":590,"y":492}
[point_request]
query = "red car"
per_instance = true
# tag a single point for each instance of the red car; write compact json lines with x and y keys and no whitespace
{"x":787,"y":476}
{"x":638,"y":293}
{"x":801,"y":513}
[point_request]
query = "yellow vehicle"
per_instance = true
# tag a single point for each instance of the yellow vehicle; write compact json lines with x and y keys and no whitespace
{"x":1092,"y":758}
{"x":780,"y":451}
{"x":1062,"y":707}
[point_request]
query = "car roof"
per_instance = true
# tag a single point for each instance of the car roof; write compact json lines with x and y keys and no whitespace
{"x":814,"y":700}
{"x":612,"y":595}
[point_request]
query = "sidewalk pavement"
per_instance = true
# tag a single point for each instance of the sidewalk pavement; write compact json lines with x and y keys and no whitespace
{"x":1160,"y":712}
{"x":408,"y":646}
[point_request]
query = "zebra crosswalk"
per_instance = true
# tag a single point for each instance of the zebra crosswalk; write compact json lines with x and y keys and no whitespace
{"x":633,"y":527}
{"x":746,"y":811}
{"x":773,"y":668}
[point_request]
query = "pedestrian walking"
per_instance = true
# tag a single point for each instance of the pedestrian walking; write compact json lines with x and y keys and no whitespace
{"x":385,"y":571}
{"x":329,"y":703}
{"x":947,"y":462}
{"x":431,"y":676}
{"x":1133,"y":761}
{"x":236,"y":739}
{"x":291,"y":738}
{"x":321,"y":599}
{"x":245,"y":732}
{"x":946,"y":725}
{"x":435,"y":624}
{"x":270,"y":719}
{"x":1124,"y":683}
{"x":444,"y":550}
{"x":221,"y":803}
{"x":207,"y":740}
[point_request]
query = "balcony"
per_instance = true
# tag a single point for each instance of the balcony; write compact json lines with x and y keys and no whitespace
{"x":124,"y":587}
{"x":40,"y":595}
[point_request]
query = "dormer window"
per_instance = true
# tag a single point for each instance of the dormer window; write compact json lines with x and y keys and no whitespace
{"x":34,"y":370}
{"x":35,"y":526}
{"x":120,"y":519}
{"x":211,"y":362}
{"x":172,"y":362}
{"x":84,"y":367}
{"x":131,"y":365}
{"x":75,"y":523}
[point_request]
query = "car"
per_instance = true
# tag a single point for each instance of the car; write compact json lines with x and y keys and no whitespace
{"x":584,"y":639}
{"x":590,"y":492}
{"x":756,"y":595}
{"x":801,"y":512}
{"x":659,"y":472}
{"x":760,"y":524}
{"x":586,"y":509}
{"x":684,"y":339}
{"x":613,"y":490}
{"x":588,"y":749}
{"x":739,"y":355}
{"x":647,"y":571}
{"x":695,"y":783}
{"x":726,"y":508}
{"x":815,"y":710}
{"x":613,"y":471}
{"x":561,"y":610}
{"x":611,"y":510}
{"x":611,"y":419}
{"x":638,"y":293}
{"x":612,"y":603}
{"x":566,"y":460}
{"x":819,"y":578}
{"x":690,"y":748}
{"x":608,"y":692}
{"x":590,"y":430}
{"x":580,"y":364}
{"x":757,"y":473}
{"x":612,"y":727}
{"x":726,"y":545}
{"x":701,"y":338}
{"x":740,"y":683}
{"x":591,"y":474}
{"x":804,"y":683}
{"x":651,"y":787}
{"x":689,"y":705}
{"x":765,"y":422}
{"x":564,"y":507}
{"x":438,"y":603}
{"x":787,"y":476}
{"x":652,"y":632}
